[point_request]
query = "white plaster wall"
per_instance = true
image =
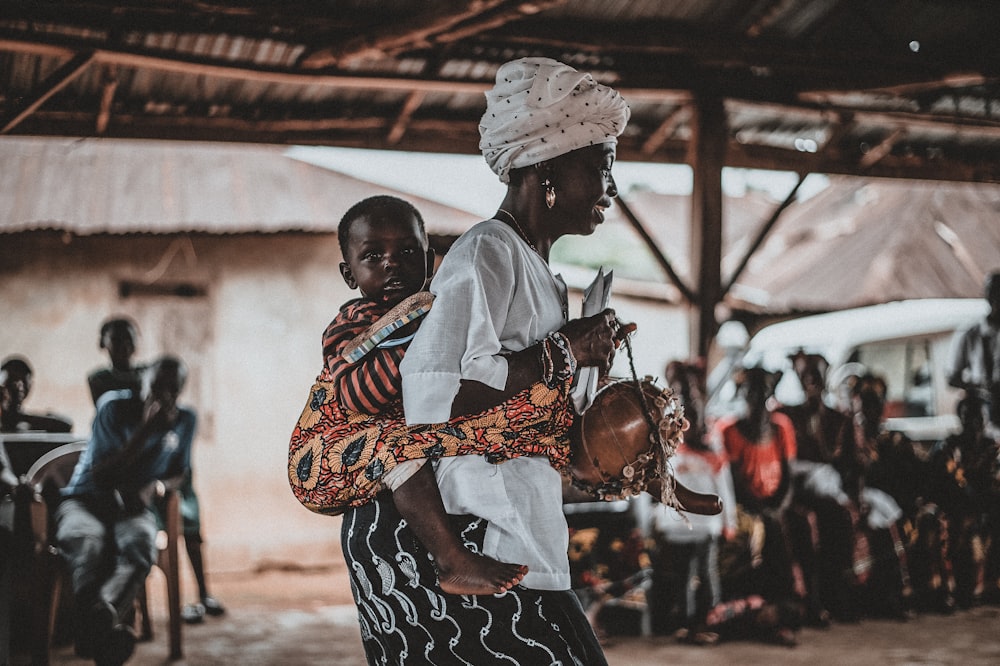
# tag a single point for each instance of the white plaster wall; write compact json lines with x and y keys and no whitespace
{"x":269,"y":345}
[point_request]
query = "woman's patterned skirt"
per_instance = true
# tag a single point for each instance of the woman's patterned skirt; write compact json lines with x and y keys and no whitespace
{"x":405,"y":618}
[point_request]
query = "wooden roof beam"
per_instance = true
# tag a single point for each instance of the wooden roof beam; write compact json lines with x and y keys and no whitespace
{"x":461,"y":137}
{"x":882,"y":149}
{"x":172,"y":62}
{"x":108,"y":88}
{"x":766,"y":17}
{"x":413,"y":101}
{"x":412,"y":33}
{"x":665,"y":129}
{"x":686,"y":292}
{"x":500,"y":18}
{"x":955,"y":168}
{"x":52,"y":84}
{"x":762,"y":235}
{"x":989,"y":127}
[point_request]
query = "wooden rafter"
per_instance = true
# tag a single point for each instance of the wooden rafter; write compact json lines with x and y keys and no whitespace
{"x":52,"y":84}
{"x":689,"y":295}
{"x":637,"y":67}
{"x":495,"y":20}
{"x":110,"y":84}
{"x":409,"y":108}
{"x":882,"y":149}
{"x":762,"y":235}
{"x":665,"y":129}
{"x":414,"y":32}
{"x":245,"y":71}
{"x":773,"y":10}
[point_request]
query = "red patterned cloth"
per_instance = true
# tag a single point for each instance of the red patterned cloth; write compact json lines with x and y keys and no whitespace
{"x":336,"y":458}
{"x":337,"y":455}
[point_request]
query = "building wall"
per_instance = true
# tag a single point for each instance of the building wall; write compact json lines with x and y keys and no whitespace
{"x":251,"y":336}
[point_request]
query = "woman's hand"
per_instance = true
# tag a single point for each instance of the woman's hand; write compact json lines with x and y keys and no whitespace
{"x":595,"y":339}
{"x":592,"y":340}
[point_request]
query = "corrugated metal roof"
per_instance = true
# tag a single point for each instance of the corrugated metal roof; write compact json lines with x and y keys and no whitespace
{"x":92,"y":186}
{"x":861,"y":242}
{"x":900,"y":88}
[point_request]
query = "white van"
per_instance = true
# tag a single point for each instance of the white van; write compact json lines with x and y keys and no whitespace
{"x":905,"y":342}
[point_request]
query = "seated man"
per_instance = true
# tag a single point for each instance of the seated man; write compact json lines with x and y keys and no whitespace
{"x":15,"y":385}
{"x":106,"y":529}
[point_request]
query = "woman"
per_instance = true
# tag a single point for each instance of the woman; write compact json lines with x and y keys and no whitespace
{"x":549,"y":132}
{"x":761,"y":446}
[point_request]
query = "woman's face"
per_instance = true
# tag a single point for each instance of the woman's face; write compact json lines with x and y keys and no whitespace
{"x":584,"y":188}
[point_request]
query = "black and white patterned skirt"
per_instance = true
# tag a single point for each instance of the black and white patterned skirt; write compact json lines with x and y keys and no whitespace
{"x":405,"y":618}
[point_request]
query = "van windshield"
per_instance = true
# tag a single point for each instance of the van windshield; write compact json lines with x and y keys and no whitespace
{"x":906,"y":367}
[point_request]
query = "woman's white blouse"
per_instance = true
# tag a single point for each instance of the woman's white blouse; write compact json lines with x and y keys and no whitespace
{"x":493,"y":294}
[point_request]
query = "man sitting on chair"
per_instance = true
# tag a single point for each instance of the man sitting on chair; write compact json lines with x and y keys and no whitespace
{"x":106,"y":530}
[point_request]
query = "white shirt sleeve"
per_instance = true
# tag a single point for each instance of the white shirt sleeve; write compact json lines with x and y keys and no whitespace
{"x":490,"y":297}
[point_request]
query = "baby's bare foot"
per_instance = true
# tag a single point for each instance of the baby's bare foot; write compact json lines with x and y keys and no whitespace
{"x":477,"y":574}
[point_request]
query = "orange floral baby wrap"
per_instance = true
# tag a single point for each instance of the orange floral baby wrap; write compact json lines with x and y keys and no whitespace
{"x":336,"y":458}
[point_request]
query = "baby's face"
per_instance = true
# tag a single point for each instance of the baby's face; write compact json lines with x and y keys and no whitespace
{"x":387,"y":256}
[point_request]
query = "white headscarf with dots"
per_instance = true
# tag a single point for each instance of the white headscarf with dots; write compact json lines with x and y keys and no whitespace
{"x":540,"y":109}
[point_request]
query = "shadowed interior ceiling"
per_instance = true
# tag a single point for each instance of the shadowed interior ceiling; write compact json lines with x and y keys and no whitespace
{"x":897,"y":88}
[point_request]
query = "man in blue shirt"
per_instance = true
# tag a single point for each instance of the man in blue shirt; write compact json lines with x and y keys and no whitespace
{"x":106,"y":530}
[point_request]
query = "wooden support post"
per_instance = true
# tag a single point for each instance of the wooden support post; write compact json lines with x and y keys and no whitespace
{"x":173,"y":574}
{"x":709,"y":148}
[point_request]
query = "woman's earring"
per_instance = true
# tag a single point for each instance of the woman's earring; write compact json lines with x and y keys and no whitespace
{"x":550,"y":193}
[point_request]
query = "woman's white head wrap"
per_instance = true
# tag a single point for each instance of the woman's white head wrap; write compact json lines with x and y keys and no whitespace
{"x":540,"y":109}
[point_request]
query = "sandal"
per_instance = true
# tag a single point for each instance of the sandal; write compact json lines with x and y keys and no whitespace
{"x":785,"y":637}
{"x":193,"y":613}
{"x":705,"y":638}
{"x":212,"y":606}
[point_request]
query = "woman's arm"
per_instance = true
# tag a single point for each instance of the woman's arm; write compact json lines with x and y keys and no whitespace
{"x":483,"y":341}
{"x":592,"y":341}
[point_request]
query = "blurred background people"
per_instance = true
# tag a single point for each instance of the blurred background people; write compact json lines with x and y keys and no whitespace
{"x":688,"y":545}
{"x":885,"y":481}
{"x":16,"y":376}
{"x":105,"y":524}
{"x":817,"y":425}
{"x":819,"y":521}
{"x":761,"y":445}
{"x":975,"y":354}
{"x":119,"y":338}
{"x":963,"y":473}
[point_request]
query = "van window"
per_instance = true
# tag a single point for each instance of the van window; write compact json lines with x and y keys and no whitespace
{"x":906,"y":367}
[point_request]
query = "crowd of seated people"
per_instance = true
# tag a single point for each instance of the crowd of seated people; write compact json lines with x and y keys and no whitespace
{"x":838,"y":519}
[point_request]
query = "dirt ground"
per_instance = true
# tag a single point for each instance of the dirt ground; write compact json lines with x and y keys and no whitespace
{"x":307,"y":618}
